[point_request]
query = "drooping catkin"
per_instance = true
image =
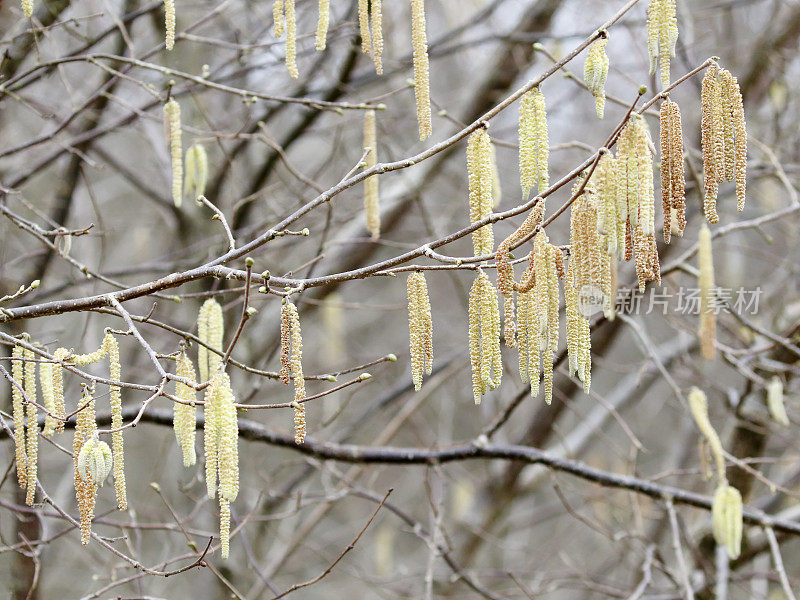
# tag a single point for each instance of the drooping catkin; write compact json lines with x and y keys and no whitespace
{"x":48,"y":397}
{"x":363,"y":26}
{"x":595,"y":73}
{"x":662,"y":35}
{"x":479,"y":168}
{"x":371,"y":199}
{"x":58,"y":388}
{"x":196,"y":166}
{"x":322,"y":24}
{"x":673,"y":183}
{"x":224,"y":527}
{"x":546,"y":300}
{"x":422,"y":92}
{"x":376,"y":17}
{"x":115,"y":399}
{"x":18,"y":409}
{"x":605,"y":180}
{"x":211,"y":427}
{"x":172,"y":120}
{"x":578,"y":334}
{"x":484,"y":336}
{"x":724,"y":137}
{"x":420,"y":327}
{"x":708,"y":318}
{"x":27,"y":8}
{"x":95,"y":461}
{"x":285,"y":373}
{"x":698,"y":404}
{"x":775,"y":401}
{"x":296,"y":364}
{"x":505,"y":271}
{"x":533,"y":142}
{"x":85,"y":489}
{"x":184,"y":417}
{"x":210,"y":331}
{"x":291,"y":38}
{"x":228,"y":440}
{"x":278,"y":20}
{"x":32,"y":443}
{"x":727,"y":522}
{"x":169,"y":23}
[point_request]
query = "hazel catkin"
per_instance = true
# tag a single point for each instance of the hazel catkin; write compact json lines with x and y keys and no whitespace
{"x":422,"y":93}
{"x":371,"y":198}
{"x":420,"y":326}
{"x":479,"y":168}
{"x":533,"y":142}
{"x":172,"y":120}
{"x":595,"y":73}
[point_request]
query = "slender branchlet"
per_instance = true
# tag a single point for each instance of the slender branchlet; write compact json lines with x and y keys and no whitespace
{"x":172,"y":121}
{"x":479,"y":167}
{"x":18,"y":408}
{"x":371,"y":199}
{"x":724,"y":138}
{"x":278,"y":20}
{"x":727,"y":523}
{"x":291,"y":39}
{"x":184,"y":415}
{"x":322,"y":24}
{"x":85,"y":488}
{"x":376,"y":19}
{"x":210,"y":331}
{"x":224,"y":526}
{"x":32,"y":444}
{"x":708,"y":318}
{"x":420,"y":327}
{"x":673,"y":183}
{"x":662,"y":35}
{"x":578,"y":334}
{"x":422,"y":92}
{"x":775,"y":401}
{"x":297,"y":374}
{"x":698,"y":404}
{"x":196,"y":166}
{"x":505,"y":271}
{"x":363,"y":26}
{"x":169,"y":23}
{"x":595,"y":73}
{"x":59,"y":409}
{"x":484,"y":336}
{"x":27,"y":8}
{"x":533,"y":142}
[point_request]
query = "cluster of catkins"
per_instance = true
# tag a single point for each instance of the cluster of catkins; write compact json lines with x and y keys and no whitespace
{"x":93,"y":459}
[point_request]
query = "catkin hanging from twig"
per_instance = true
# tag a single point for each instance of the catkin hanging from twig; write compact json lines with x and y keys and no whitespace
{"x":196,"y":167}
{"x":32,"y":443}
{"x":172,"y":121}
{"x":169,"y":23}
{"x":27,"y":8}
{"x":18,"y":409}
{"x":184,"y":418}
{"x":322,"y":24}
{"x":726,"y":512}
{"x":533,"y":142}
{"x":775,"y":401}
{"x":85,"y":488}
{"x":291,"y":39}
{"x":595,"y":72}
{"x":210,"y":331}
{"x":484,"y":336}
{"x":673,"y":184}
{"x":420,"y":328}
{"x":371,"y":199}
{"x":278,"y":18}
{"x":662,"y":35}
{"x":422,"y":91}
{"x":292,"y":365}
{"x":479,"y":168}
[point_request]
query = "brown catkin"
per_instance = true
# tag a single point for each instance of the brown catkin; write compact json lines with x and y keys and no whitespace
{"x":18,"y":408}
{"x":712,"y":139}
{"x":32,"y":444}
{"x":58,"y":388}
{"x":533,"y":142}
{"x":371,"y":199}
{"x":673,"y":183}
{"x":479,"y":168}
{"x":735,"y":107}
{"x":297,"y":375}
{"x":291,"y":39}
{"x":708,"y":318}
{"x":322,"y":24}
{"x":422,"y":92}
{"x":85,"y":489}
{"x":285,"y":373}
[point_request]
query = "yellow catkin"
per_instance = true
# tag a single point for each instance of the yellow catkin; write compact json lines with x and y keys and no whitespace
{"x":662,"y":35}
{"x":228,"y":441}
{"x":322,"y":24}
{"x":497,"y":192}
{"x":549,"y":341}
{"x":115,"y":398}
{"x":422,"y":92}
{"x":278,"y":18}
{"x":172,"y":118}
{"x":595,"y":73}
{"x":479,"y":168}
{"x":708,"y":318}
{"x":376,"y":16}
{"x":18,"y":408}
{"x":211,"y":434}
{"x":726,"y":513}
{"x":32,"y":444}
{"x":210,"y":331}
{"x":698,"y":404}
{"x":371,"y":198}
{"x":734,"y":110}
{"x":85,"y":490}
{"x":363,"y":26}
{"x":420,"y":326}
{"x":95,"y":461}
{"x":291,"y":38}
{"x":578,"y":335}
{"x":285,"y":373}
{"x":775,"y":401}
{"x":533,"y":142}
{"x":605,"y":181}
{"x":169,"y":24}
{"x":184,"y":417}
{"x":484,"y":336}
{"x":196,"y":167}
{"x":505,"y":271}
{"x":48,"y":397}
{"x":224,"y":527}
{"x":58,"y":388}
{"x":27,"y":8}
{"x":673,"y":183}
{"x":297,"y":375}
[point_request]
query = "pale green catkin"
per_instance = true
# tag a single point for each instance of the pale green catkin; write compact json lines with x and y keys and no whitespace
{"x":172,"y":120}
{"x":196,"y":167}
